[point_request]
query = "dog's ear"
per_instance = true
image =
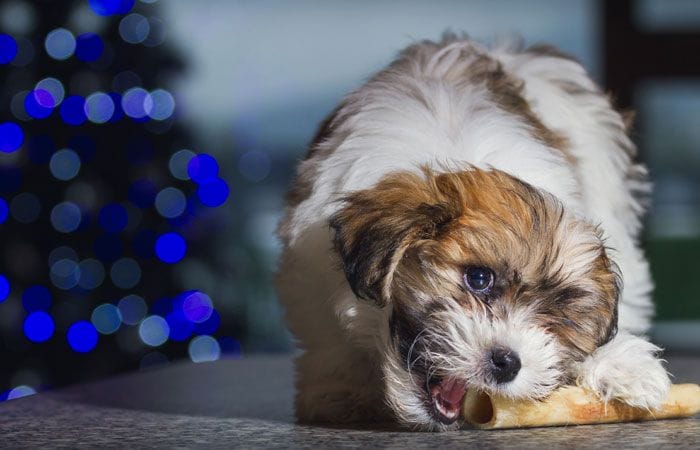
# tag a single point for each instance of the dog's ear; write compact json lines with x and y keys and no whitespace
{"x":375,"y":227}
{"x":613,"y":289}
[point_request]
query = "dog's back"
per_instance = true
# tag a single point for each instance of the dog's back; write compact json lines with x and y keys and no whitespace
{"x":448,"y":106}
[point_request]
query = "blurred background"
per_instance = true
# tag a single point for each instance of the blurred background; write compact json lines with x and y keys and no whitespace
{"x":145,"y":147}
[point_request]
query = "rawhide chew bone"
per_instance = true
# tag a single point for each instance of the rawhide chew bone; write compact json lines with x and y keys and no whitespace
{"x":572,"y":405}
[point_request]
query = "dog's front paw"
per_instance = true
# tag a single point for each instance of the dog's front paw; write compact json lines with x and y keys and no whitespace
{"x":626,"y":369}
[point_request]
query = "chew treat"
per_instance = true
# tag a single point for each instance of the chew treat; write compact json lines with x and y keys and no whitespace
{"x":572,"y":405}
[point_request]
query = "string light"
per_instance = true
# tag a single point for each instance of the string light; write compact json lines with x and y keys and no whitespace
{"x":4,"y":288}
{"x":134,"y":28}
{"x":64,"y":164}
{"x":11,"y":137}
{"x":106,"y":318}
{"x":132,"y":309}
{"x":82,"y":336}
{"x":203,"y":349}
{"x":111,"y":7}
{"x":154,"y":331}
{"x":8,"y":48}
{"x":38,"y":327}
{"x":60,"y":44}
{"x":170,"y":248}
{"x":88,"y":47}
{"x":4,"y":210}
{"x":65,"y":217}
{"x":99,"y":107}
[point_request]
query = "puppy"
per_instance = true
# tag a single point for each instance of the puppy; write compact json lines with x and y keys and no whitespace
{"x":466,"y":220}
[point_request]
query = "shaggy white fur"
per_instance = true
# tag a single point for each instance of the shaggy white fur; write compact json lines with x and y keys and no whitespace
{"x":418,"y":112}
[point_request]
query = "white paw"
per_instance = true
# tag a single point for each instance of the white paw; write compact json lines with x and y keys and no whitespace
{"x":626,"y":369}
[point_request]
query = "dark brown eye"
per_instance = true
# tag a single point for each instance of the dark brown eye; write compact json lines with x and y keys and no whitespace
{"x":478,"y":279}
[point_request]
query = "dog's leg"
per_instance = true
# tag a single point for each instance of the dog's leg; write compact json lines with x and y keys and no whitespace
{"x":339,"y":386}
{"x":626,"y":369}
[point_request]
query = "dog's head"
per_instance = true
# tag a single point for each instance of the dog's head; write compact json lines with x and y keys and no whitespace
{"x":488,"y":283}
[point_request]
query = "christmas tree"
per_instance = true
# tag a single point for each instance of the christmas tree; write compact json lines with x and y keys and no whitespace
{"x":101,"y":198}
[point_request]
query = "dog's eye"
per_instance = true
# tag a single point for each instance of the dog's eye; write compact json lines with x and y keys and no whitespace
{"x":478,"y":279}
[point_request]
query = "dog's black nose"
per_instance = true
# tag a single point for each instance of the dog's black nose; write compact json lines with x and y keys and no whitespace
{"x":505,"y":365}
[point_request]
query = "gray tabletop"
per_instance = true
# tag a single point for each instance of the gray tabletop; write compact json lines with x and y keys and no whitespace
{"x":248,"y":403}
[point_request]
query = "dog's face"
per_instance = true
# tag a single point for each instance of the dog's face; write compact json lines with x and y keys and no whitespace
{"x":487,"y":284}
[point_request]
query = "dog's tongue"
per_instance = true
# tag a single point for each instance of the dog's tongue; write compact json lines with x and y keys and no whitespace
{"x":451,"y":391}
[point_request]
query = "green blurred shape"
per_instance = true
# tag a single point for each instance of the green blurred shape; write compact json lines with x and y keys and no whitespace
{"x":675,"y":267}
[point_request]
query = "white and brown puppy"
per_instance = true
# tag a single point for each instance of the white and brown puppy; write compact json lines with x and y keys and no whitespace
{"x":465,"y":220}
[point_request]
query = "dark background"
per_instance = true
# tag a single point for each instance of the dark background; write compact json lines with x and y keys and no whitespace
{"x":250,"y":80}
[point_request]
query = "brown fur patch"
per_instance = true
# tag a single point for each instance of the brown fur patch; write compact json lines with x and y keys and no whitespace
{"x":409,"y":239}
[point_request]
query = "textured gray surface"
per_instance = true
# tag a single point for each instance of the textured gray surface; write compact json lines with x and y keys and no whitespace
{"x":248,"y":403}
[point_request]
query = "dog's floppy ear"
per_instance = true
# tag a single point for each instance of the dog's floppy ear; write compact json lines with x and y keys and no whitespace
{"x":375,"y":226}
{"x":612,"y":289}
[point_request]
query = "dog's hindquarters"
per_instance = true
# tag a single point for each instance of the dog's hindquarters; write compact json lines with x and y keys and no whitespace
{"x":613,"y":187}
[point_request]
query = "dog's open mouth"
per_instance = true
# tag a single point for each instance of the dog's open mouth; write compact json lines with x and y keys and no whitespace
{"x":446,"y":396}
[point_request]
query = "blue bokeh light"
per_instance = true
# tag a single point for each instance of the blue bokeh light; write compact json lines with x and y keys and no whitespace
{"x":154,"y":331}
{"x":65,"y":274}
{"x":171,"y":247}
{"x":197,"y":306}
{"x":108,"y":247}
{"x":39,"y":103}
{"x":180,"y":328}
{"x":53,"y":87}
{"x":170,"y":202}
{"x":125,"y":273}
{"x":4,"y":209}
{"x":202,"y":168}
{"x":20,"y":391}
{"x":88,"y":47}
{"x":11,"y":137}
{"x":213,"y":192}
{"x":113,"y":217}
{"x":92,"y":274}
{"x":203,"y":349}
{"x":39,"y":327}
{"x":25,"y":207}
{"x":142,"y":193}
{"x":73,"y":110}
{"x":8,"y":48}
{"x":230,"y":347}
{"x":64,"y":164}
{"x":60,"y":44}
{"x":137,"y":103}
{"x":66,"y":217}
{"x":162,"y":306}
{"x":132,"y":309}
{"x":209,"y":326}
{"x":178,"y":164}
{"x":99,"y":107}
{"x":106,"y":318}
{"x":163,"y":105}
{"x":36,"y":298}
{"x":134,"y":28}
{"x":62,"y":252}
{"x":82,"y":336}
{"x":111,"y":7}
{"x":4,"y":288}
